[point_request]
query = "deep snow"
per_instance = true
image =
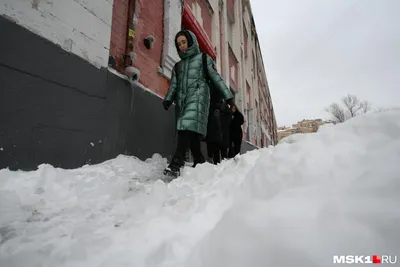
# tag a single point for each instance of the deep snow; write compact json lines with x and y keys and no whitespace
{"x":335,"y":192}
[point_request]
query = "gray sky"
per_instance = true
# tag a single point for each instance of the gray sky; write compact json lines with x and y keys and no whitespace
{"x":317,"y":51}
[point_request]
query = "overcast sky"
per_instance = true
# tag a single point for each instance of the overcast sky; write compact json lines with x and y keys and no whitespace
{"x":317,"y":51}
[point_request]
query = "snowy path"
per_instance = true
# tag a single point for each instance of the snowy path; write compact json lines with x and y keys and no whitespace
{"x":336,"y":192}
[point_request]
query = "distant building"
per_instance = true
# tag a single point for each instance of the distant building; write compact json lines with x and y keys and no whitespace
{"x":304,"y":126}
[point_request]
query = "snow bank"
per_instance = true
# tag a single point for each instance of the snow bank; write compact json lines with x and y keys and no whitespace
{"x":334,"y":192}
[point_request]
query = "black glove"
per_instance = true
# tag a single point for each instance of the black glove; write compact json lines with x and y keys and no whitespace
{"x":230,"y":102}
{"x":167,"y":104}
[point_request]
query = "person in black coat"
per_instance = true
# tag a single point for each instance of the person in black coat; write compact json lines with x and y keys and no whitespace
{"x":236,"y":133}
{"x":225,"y":119}
{"x":218,"y":130}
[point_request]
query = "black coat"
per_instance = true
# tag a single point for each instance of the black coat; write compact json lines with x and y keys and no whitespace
{"x":236,"y":133}
{"x":219,"y":122}
{"x":226,"y":120}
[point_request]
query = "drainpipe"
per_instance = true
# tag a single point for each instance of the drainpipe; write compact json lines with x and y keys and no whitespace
{"x":130,"y":56}
{"x":127,"y":57}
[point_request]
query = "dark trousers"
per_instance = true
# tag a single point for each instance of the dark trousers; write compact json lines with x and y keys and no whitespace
{"x":187,"y":140}
{"x":216,"y":153}
{"x":235,"y":148}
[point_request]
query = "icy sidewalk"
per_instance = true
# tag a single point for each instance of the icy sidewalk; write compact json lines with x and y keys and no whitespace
{"x":336,"y":192}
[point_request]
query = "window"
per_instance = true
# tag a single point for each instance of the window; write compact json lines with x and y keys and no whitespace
{"x":231,"y":10}
{"x":196,"y":9}
{"x":257,"y":117}
{"x":230,"y":33}
{"x":254,"y":66}
{"x":233,"y":73}
{"x":245,"y":37}
{"x":248,"y":92}
{"x":233,"y":69}
{"x":248,"y":123}
{"x":191,"y":23}
{"x":248,"y":106}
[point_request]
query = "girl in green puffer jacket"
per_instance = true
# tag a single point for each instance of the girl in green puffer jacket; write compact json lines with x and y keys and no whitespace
{"x":190,"y":91}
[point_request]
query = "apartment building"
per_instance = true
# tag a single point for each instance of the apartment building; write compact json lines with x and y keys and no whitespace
{"x":84,"y":79}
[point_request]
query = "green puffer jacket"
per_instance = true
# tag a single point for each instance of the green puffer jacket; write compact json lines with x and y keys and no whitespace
{"x":190,"y":91}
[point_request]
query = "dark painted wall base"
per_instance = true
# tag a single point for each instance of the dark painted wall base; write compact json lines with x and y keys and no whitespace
{"x":58,"y":109}
{"x":247,"y":147}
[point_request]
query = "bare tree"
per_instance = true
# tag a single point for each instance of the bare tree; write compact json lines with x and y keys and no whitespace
{"x":352,"y":106}
{"x":366,"y":106}
{"x":337,"y":112}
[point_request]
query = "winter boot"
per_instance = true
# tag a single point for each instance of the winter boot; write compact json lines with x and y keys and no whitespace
{"x":196,"y":162}
{"x":172,"y":171}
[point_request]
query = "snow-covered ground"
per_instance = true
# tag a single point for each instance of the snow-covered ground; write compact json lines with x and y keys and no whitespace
{"x":335,"y":192}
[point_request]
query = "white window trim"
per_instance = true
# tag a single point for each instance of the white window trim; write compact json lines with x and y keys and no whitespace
{"x":172,"y":25}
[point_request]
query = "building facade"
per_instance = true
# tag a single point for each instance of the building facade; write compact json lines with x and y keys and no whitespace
{"x":86,"y":77}
{"x":226,"y":31}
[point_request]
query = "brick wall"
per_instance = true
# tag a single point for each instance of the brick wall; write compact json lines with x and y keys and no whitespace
{"x":119,"y":31}
{"x":150,"y":22}
{"x":150,"y":14}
